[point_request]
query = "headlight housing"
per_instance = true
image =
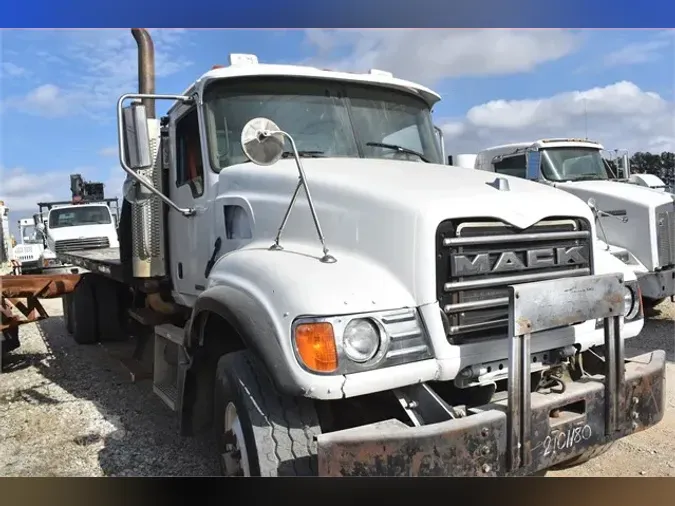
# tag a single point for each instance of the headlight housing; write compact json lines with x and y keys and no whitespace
{"x":361,"y":339}
{"x":361,"y":342}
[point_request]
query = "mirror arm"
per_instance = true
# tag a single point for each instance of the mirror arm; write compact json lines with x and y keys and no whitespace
{"x":122,"y":149}
{"x":327,"y":257}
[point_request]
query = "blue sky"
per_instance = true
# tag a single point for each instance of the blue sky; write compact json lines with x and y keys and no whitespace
{"x":58,"y":88}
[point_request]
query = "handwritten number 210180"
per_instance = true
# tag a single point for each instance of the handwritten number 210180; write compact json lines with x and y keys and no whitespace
{"x":564,"y":440}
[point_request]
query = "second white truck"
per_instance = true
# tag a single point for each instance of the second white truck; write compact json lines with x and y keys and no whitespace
{"x":636,"y":223}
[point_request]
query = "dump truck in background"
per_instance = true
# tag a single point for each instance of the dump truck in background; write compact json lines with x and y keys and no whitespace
{"x":636,"y":223}
{"x":319,"y":293}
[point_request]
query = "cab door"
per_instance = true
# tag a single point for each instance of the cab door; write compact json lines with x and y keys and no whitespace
{"x":189,"y":237}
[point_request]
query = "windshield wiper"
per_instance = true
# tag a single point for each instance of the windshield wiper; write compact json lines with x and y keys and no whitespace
{"x":303,"y":154}
{"x":398,"y":148}
{"x":588,"y":177}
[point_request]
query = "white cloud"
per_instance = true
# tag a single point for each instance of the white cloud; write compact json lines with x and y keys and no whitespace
{"x":47,"y":100}
{"x":620,"y":115}
{"x":108,"y":151}
{"x":428,"y":56}
{"x":10,"y":69}
{"x":639,"y":52}
{"x":99,"y":66}
{"x":22,"y":189}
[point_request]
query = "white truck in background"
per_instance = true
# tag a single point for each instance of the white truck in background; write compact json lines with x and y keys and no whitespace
{"x":28,"y":252}
{"x":326,"y":298}
{"x":635,"y":223}
{"x":87,"y":222}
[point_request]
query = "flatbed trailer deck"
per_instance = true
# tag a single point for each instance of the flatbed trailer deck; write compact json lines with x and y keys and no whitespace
{"x":104,"y":261}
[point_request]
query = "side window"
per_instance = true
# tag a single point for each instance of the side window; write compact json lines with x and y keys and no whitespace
{"x":189,"y":166}
{"x":512,"y":166}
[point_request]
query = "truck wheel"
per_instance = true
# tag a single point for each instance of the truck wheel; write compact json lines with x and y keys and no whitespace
{"x":84,"y":312}
{"x":584,"y":457}
{"x":110,"y":308}
{"x":67,"y":301}
{"x":11,"y":340}
{"x":259,"y":431}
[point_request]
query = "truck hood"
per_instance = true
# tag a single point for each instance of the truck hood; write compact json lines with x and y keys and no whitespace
{"x":81,"y":232}
{"x":636,"y":203}
{"x":415,"y":188}
{"x":27,"y":252}
{"x":618,"y":192}
{"x":383,"y":211}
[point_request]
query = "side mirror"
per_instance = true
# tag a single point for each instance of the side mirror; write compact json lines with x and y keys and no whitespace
{"x":136,"y":137}
{"x":533,"y":162}
{"x":262,"y":142}
{"x":441,"y":141}
{"x":40,"y":227}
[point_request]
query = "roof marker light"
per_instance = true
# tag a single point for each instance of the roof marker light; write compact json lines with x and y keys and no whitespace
{"x":243,"y":59}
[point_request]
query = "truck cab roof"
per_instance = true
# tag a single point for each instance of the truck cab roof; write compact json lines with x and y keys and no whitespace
{"x":250,"y":68}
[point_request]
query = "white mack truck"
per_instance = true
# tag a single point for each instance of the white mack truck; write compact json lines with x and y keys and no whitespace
{"x":635,"y":223}
{"x":325,"y":298}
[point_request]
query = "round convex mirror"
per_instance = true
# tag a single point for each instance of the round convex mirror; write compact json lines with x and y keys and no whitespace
{"x":262,"y":149}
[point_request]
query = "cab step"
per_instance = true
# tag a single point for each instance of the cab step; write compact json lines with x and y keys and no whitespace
{"x":171,"y":363}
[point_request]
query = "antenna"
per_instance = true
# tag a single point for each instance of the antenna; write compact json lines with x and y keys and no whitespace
{"x":585,"y":119}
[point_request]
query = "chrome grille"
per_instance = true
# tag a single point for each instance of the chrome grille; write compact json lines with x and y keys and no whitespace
{"x":478,"y":259}
{"x":80,"y":244}
{"x":407,"y":342}
{"x":665,"y":237}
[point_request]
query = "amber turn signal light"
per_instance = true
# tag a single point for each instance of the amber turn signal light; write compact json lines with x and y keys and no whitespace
{"x":315,"y":343}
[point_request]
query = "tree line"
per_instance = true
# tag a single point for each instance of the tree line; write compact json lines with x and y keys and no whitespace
{"x":643,"y":162}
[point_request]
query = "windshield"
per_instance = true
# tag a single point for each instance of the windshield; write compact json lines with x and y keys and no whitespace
{"x":573,"y":164}
{"x":326,"y":118}
{"x":76,"y":216}
{"x":29,"y":235}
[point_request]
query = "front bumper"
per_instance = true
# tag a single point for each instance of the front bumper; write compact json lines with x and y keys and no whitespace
{"x":657,"y":285}
{"x":563,"y":426}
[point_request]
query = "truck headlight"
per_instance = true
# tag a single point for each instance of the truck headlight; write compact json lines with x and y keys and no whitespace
{"x":355,"y":343}
{"x":361,"y":339}
{"x":631,"y":302}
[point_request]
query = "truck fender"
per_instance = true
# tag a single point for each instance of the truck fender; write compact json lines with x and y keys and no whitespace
{"x":257,"y":332}
{"x":261,"y":292}
{"x":606,"y":263}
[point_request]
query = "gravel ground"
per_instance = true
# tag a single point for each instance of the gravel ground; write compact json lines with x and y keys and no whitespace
{"x":70,"y":410}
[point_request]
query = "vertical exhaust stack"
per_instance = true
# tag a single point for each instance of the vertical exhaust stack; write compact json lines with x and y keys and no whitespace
{"x":626,"y":166}
{"x":148,"y":253}
{"x":146,"y":68}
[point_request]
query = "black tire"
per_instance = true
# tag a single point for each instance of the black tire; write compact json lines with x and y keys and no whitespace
{"x":11,"y":340}
{"x":111,"y":310}
{"x":84,"y":312}
{"x":584,"y":457}
{"x":278,"y":430}
{"x":67,"y":301}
